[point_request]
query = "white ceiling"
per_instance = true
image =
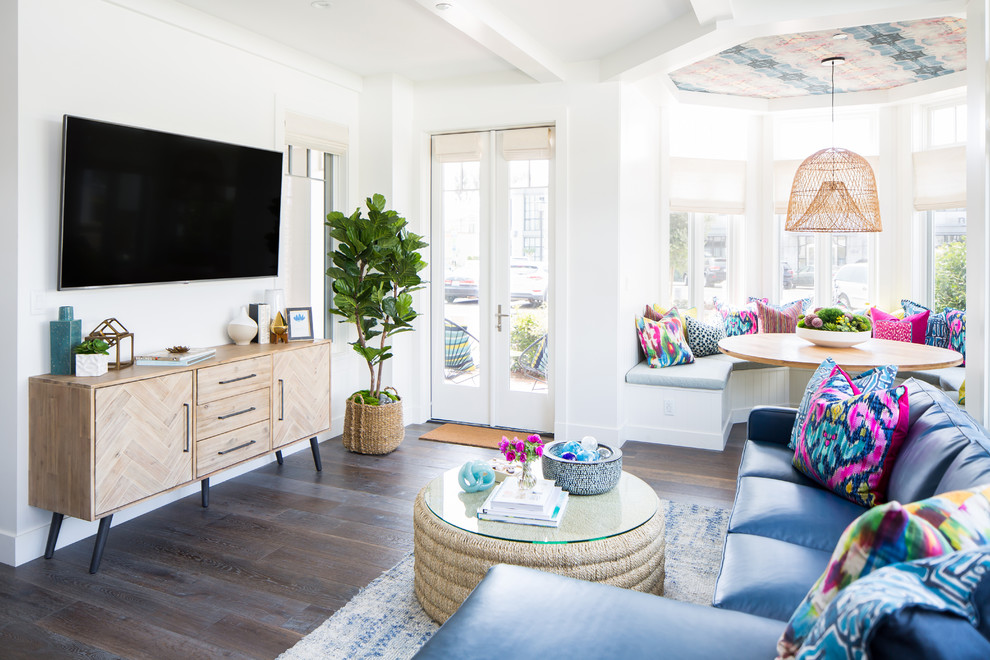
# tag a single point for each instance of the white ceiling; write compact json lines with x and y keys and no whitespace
{"x":628,"y":38}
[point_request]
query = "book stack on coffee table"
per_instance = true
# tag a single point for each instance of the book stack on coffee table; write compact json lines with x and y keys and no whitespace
{"x":541,"y":505}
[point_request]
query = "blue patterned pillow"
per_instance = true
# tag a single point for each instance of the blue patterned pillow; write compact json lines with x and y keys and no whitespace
{"x":702,"y":337}
{"x":956,"y":318}
{"x":738,"y":320}
{"x":878,"y":378}
{"x":946,"y":583}
{"x":937,"y":333}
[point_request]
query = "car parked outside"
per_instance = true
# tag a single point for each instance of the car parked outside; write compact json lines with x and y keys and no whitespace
{"x":851,"y":285}
{"x":462,"y":283}
{"x":715,"y":270}
{"x":528,"y":281}
{"x":786,"y":275}
{"x":805,"y":277}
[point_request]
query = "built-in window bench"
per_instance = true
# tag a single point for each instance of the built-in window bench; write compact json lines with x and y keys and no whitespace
{"x":695,"y":405}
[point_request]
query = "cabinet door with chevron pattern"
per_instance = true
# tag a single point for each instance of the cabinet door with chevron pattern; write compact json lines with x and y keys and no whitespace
{"x":301,"y":405}
{"x":143,"y":443}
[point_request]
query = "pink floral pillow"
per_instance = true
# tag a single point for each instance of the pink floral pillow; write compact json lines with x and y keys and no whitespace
{"x":895,"y":330}
{"x":919,"y":323}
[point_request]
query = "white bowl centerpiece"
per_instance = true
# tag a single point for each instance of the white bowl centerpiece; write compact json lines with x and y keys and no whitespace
{"x":834,"y":327}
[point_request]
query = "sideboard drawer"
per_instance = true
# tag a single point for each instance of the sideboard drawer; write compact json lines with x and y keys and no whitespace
{"x":232,"y":413}
{"x":233,"y":378}
{"x":232,"y":447}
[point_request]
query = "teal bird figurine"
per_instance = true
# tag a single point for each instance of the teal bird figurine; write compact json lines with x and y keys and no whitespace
{"x":476,"y":476}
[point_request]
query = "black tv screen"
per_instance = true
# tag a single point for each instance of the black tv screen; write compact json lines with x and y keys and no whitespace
{"x":142,"y":206}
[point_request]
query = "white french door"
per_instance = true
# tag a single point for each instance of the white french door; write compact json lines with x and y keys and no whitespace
{"x":491,"y":217}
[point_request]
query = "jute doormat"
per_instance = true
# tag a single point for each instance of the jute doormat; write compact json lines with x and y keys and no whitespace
{"x":473,"y":436}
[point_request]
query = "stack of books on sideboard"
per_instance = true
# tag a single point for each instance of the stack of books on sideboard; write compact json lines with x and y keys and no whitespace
{"x":541,"y":505}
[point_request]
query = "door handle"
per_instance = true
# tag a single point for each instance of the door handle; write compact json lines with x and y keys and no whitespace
{"x":498,"y":318}
{"x":281,"y":399}
{"x":188,"y":427}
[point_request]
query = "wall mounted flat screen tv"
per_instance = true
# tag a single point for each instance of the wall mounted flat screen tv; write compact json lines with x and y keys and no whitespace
{"x":141,"y":207}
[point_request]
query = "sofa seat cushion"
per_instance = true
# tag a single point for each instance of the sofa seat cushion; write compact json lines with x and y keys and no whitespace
{"x":738,"y":364}
{"x":765,"y":576}
{"x":930,"y":376}
{"x":772,"y":461}
{"x":951,"y":378}
{"x":567,"y":618}
{"x":795,"y":513}
{"x":702,"y":374}
{"x":945,"y":449}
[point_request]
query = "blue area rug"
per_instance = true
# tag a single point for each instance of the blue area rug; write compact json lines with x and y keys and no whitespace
{"x":385,"y":620}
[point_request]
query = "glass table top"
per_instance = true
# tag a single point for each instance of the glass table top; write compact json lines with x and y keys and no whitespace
{"x":587,"y":517}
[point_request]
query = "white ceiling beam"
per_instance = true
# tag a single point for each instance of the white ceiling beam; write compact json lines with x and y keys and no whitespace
{"x":482,"y":22}
{"x":638,"y":58}
{"x":711,"y":11}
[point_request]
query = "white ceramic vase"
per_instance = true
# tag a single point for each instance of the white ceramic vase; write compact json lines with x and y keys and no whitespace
{"x":242,"y":329}
{"x":91,"y":364}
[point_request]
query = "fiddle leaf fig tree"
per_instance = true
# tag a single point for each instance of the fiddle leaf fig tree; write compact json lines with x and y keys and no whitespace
{"x":375,"y":268}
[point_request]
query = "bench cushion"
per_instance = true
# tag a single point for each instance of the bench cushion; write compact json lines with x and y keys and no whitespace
{"x":702,"y":374}
{"x":951,"y":378}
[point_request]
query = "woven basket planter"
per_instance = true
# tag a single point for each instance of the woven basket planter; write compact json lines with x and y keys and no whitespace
{"x":372,"y":429}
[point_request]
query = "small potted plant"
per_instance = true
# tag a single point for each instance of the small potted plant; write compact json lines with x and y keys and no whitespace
{"x":92,"y":357}
{"x":526,"y":452}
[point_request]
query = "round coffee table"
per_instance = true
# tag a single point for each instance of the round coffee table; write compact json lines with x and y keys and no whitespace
{"x":616,"y":538}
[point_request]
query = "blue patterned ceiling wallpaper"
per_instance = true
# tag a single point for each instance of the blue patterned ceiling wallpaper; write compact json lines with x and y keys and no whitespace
{"x":877,"y":57}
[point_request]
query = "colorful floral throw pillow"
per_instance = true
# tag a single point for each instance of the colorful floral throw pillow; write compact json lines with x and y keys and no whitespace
{"x":778,"y":318}
{"x":890,"y":534}
{"x":878,"y":378}
{"x":702,"y":337}
{"x":949,"y":584}
{"x":849,"y":446}
{"x":956,"y":319}
{"x":738,"y":320}
{"x":663,"y":341}
{"x":892,"y":329}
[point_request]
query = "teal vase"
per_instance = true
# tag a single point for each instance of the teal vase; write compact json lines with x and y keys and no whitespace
{"x":66,"y":333}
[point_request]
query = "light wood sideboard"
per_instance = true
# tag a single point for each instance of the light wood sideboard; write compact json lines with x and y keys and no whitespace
{"x":100,"y":445}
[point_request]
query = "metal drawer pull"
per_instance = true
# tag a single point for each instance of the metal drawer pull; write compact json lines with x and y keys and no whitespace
{"x":234,"y":380}
{"x":235,"y":414}
{"x":227,"y":451}
{"x":281,"y":399}
{"x":188,"y":428}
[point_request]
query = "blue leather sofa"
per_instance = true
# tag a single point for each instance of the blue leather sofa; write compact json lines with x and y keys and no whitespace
{"x":782,"y":531}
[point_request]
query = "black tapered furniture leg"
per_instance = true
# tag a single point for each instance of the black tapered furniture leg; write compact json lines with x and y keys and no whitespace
{"x":278,"y":457}
{"x":316,"y":453}
{"x":204,"y":486}
{"x":53,"y":531}
{"x":101,"y":542}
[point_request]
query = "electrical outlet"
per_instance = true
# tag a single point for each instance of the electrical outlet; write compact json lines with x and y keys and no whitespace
{"x":668,"y":406}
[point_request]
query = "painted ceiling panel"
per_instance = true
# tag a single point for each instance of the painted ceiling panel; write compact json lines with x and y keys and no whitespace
{"x":877,"y":57}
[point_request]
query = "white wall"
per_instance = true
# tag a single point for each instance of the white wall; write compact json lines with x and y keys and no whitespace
{"x":100,"y":60}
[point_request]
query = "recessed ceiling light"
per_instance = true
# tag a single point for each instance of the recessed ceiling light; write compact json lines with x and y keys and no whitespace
{"x":443,"y":6}
{"x":840,"y":36}
{"x":321,"y":4}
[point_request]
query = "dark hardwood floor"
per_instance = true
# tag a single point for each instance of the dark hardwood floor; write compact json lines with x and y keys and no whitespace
{"x":278,"y":550}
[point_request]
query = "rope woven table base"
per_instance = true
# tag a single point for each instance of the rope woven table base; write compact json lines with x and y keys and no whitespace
{"x":450,"y":562}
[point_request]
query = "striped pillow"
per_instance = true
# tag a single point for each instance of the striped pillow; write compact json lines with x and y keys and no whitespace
{"x":778,"y":318}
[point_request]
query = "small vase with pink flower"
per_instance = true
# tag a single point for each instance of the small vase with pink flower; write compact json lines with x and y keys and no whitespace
{"x":525,"y":452}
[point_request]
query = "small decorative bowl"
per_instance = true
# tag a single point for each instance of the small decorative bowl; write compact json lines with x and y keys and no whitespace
{"x":583,"y":477}
{"x":833,"y":339}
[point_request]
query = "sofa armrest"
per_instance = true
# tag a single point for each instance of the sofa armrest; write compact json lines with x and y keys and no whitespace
{"x":577,"y":619}
{"x":771,"y":424}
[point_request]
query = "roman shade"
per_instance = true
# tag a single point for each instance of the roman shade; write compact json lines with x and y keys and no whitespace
{"x":315,"y":133}
{"x":707,"y":185}
{"x":457,"y":147}
{"x":940,"y":179}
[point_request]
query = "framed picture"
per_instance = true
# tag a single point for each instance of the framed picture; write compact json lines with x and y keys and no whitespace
{"x":300,"y":322}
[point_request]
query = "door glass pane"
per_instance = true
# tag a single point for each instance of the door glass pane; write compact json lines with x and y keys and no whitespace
{"x":851,"y":270}
{"x":528,"y":274}
{"x":461,"y":218}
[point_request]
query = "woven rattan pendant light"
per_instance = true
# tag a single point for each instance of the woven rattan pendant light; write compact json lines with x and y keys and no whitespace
{"x":834,"y":189}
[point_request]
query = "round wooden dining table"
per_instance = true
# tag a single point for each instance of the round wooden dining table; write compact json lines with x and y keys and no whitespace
{"x":789,"y":350}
